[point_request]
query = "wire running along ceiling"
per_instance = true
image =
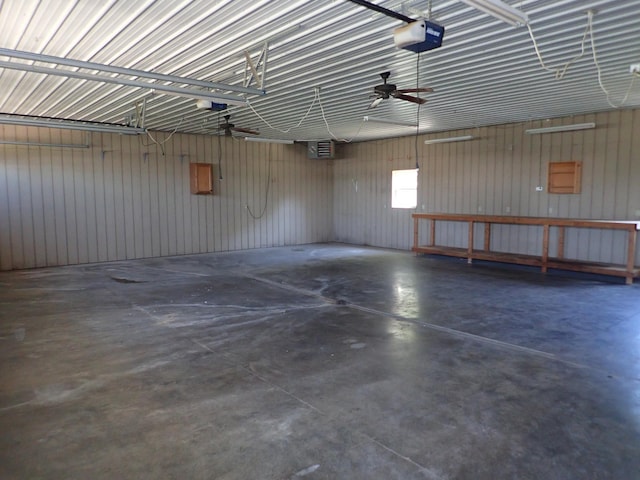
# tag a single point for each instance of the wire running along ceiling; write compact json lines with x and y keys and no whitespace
{"x":323,"y":60}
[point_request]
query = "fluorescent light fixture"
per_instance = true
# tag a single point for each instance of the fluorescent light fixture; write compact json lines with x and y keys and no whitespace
{"x":166,"y":89}
{"x":462,"y":138}
{"x":70,"y":125}
{"x":39,"y":57}
{"x":501,"y":11}
{"x":561,"y":128}
{"x":402,"y":123}
{"x":269,"y":140}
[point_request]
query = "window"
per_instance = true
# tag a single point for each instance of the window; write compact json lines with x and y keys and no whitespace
{"x":404,"y":188}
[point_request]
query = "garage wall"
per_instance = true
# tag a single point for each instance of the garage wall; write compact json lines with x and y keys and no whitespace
{"x":122,"y":198}
{"x":496,"y":174}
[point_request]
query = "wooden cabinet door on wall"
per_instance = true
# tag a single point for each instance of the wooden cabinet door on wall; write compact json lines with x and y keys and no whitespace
{"x":201,"y":175}
{"x":564,"y":177}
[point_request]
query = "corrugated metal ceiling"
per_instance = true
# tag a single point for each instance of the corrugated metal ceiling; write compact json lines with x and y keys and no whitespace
{"x":485,"y":73}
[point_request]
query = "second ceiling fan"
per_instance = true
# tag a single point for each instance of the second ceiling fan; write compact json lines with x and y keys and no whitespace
{"x":386,"y":90}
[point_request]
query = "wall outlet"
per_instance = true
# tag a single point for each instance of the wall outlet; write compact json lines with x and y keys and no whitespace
{"x":539,"y":188}
{"x":479,"y":208}
{"x":507,"y":209}
{"x":634,"y":68}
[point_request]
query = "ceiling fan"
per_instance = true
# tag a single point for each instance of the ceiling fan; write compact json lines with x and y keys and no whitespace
{"x":228,"y":128}
{"x":386,"y":90}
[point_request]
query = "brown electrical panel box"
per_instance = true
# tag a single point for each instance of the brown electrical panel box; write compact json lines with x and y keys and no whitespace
{"x":201,"y":175}
{"x":564,"y":177}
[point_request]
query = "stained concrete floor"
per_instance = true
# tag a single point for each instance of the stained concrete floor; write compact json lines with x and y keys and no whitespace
{"x":318,"y":362}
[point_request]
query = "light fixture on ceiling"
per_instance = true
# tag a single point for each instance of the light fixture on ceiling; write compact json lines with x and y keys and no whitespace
{"x":501,"y":11}
{"x":39,"y":57}
{"x":462,"y":138}
{"x":402,"y":123}
{"x":70,"y":125}
{"x":269,"y":140}
{"x":561,"y":128}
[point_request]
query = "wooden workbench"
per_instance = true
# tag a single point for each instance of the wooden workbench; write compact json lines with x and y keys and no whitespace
{"x":629,"y":271}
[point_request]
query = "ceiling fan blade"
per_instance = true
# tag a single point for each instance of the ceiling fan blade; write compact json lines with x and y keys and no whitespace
{"x":376,"y":102}
{"x":245,"y":130}
{"x":409,"y":98}
{"x":415,"y":90}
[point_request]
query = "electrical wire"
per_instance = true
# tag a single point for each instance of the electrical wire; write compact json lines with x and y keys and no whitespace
{"x":595,"y":61}
{"x":559,"y":72}
{"x":315,"y":97}
{"x":161,"y":144}
{"x":326,"y":123}
{"x":266,"y":195}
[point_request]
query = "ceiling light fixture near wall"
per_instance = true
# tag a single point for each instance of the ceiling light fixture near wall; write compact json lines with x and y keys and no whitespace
{"x":462,"y":138}
{"x":269,"y":140}
{"x":70,"y":125}
{"x":501,"y":11}
{"x":561,"y":128}
{"x":402,"y":123}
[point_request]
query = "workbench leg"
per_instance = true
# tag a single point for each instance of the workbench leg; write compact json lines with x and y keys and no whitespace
{"x":470,"y":246}
{"x":560,"y":242}
{"x":631,"y":255}
{"x":415,"y":235}
{"x":545,"y":248}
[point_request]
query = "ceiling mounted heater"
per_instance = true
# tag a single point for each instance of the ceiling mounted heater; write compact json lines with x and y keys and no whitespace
{"x":320,"y":149}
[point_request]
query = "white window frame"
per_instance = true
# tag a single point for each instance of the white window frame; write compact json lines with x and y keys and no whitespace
{"x":404,"y":188}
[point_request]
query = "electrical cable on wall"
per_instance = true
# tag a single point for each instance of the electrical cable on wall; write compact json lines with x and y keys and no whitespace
{"x":266,"y":196}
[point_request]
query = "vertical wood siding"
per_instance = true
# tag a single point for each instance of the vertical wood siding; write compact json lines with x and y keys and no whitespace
{"x":496,"y":174}
{"x":125,"y":198}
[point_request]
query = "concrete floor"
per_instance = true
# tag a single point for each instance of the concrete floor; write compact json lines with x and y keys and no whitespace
{"x":318,"y":362}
